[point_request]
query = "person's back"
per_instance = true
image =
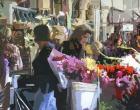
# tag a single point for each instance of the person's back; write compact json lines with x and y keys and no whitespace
{"x":45,"y":80}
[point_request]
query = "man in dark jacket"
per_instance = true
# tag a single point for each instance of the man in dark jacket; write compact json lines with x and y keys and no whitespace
{"x":45,"y":80}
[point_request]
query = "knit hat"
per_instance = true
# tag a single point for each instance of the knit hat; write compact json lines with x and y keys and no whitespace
{"x":41,"y":33}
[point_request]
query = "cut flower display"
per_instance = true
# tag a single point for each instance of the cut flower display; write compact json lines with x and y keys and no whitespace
{"x":86,"y":70}
{"x":83,"y":70}
{"x":89,"y":63}
{"x":122,"y":76}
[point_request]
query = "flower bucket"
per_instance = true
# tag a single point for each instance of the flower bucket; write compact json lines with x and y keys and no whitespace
{"x":83,"y":96}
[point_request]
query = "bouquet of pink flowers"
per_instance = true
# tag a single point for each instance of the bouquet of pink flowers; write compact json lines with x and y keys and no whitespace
{"x":83,"y":70}
{"x":72,"y":67}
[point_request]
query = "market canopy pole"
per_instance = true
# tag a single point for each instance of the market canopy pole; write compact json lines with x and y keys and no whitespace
{"x":97,"y":18}
{"x":3,"y":22}
{"x":96,"y":24}
{"x":69,"y":14}
{"x":1,"y":66}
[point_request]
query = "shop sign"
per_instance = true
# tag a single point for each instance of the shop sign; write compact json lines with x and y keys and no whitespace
{"x":128,"y":27}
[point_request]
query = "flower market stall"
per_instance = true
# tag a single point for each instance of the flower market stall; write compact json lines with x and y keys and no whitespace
{"x":87,"y":77}
{"x":121,"y":76}
{"x":72,"y":69}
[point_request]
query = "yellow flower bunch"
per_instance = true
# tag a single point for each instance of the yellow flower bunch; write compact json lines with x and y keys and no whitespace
{"x":90,"y":63}
{"x":88,"y":49}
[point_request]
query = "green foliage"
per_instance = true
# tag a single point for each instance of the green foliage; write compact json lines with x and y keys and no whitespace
{"x":105,"y":106}
{"x":29,"y":41}
{"x":111,"y":105}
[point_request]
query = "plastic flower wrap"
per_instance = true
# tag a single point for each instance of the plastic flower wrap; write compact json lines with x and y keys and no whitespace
{"x":56,"y":64}
{"x":137,"y":57}
{"x":131,"y":61}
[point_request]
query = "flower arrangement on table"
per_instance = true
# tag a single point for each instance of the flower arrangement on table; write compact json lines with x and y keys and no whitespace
{"x":123,"y":76}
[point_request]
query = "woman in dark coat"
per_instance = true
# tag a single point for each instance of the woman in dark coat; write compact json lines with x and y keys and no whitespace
{"x":74,"y":47}
{"x":45,"y":80}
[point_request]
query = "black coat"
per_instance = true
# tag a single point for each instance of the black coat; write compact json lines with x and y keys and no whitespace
{"x":73,"y":48}
{"x":44,"y":76}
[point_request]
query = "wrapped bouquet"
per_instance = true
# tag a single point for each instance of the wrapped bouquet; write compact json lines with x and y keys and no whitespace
{"x":56,"y":60}
{"x":84,"y":70}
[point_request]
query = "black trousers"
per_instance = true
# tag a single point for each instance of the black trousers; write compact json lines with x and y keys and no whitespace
{"x":61,"y":99}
